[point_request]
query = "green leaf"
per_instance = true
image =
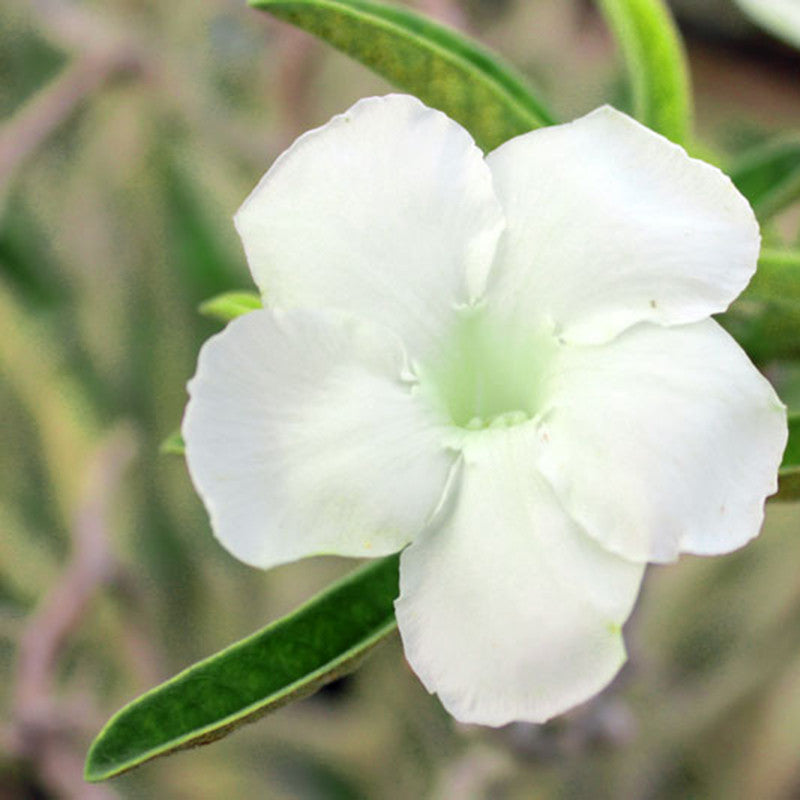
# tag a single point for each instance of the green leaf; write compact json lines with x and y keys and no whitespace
{"x":789,"y":475}
{"x":441,"y":67}
{"x":765,"y":319}
{"x":289,"y":659}
{"x":173,"y":445}
{"x":777,"y":278}
{"x":26,"y":260}
{"x":204,"y":252}
{"x":229,"y":305}
{"x":769,"y":175}
{"x":656,"y":63}
{"x":791,"y":456}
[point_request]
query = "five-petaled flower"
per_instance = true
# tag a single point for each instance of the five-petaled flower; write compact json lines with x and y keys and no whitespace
{"x":504,"y":365}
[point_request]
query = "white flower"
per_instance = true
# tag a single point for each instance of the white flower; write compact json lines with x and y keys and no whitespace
{"x":505,"y":363}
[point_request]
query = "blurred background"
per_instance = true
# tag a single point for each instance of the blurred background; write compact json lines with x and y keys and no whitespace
{"x":130,"y":131}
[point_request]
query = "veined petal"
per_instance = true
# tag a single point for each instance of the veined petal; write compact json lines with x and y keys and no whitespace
{"x":507,"y":610}
{"x":387,"y":211}
{"x":662,"y":441}
{"x":302,"y":439}
{"x":610,"y":224}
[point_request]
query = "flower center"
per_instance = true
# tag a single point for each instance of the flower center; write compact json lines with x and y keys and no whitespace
{"x":489,"y":373}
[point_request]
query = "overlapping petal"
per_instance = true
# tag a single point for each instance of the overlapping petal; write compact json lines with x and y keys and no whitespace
{"x":662,"y":441}
{"x":302,"y":438}
{"x":508,"y":611}
{"x":610,"y":224}
{"x":387,"y":211}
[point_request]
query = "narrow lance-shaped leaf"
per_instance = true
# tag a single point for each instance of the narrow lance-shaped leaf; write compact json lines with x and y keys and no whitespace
{"x":769,"y":175}
{"x":290,"y":659}
{"x":443,"y":68}
{"x":656,"y":64}
{"x":789,"y":475}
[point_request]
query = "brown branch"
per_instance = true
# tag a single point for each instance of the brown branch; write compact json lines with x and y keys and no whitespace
{"x":49,"y":108}
{"x":41,"y":731}
{"x":145,"y":661}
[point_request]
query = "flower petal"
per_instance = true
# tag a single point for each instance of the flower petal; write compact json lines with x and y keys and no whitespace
{"x":387,"y":211}
{"x":610,"y":224}
{"x":664,"y":440}
{"x":302,"y":439}
{"x":508,"y":611}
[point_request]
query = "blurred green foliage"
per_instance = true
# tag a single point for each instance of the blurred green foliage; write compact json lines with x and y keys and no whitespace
{"x":112,"y":230}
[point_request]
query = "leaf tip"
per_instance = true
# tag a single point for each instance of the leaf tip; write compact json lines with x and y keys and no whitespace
{"x":173,"y":445}
{"x":94,"y":771}
{"x":229,"y":305}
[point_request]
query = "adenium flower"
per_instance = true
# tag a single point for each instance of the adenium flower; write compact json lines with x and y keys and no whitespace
{"x":506,"y":366}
